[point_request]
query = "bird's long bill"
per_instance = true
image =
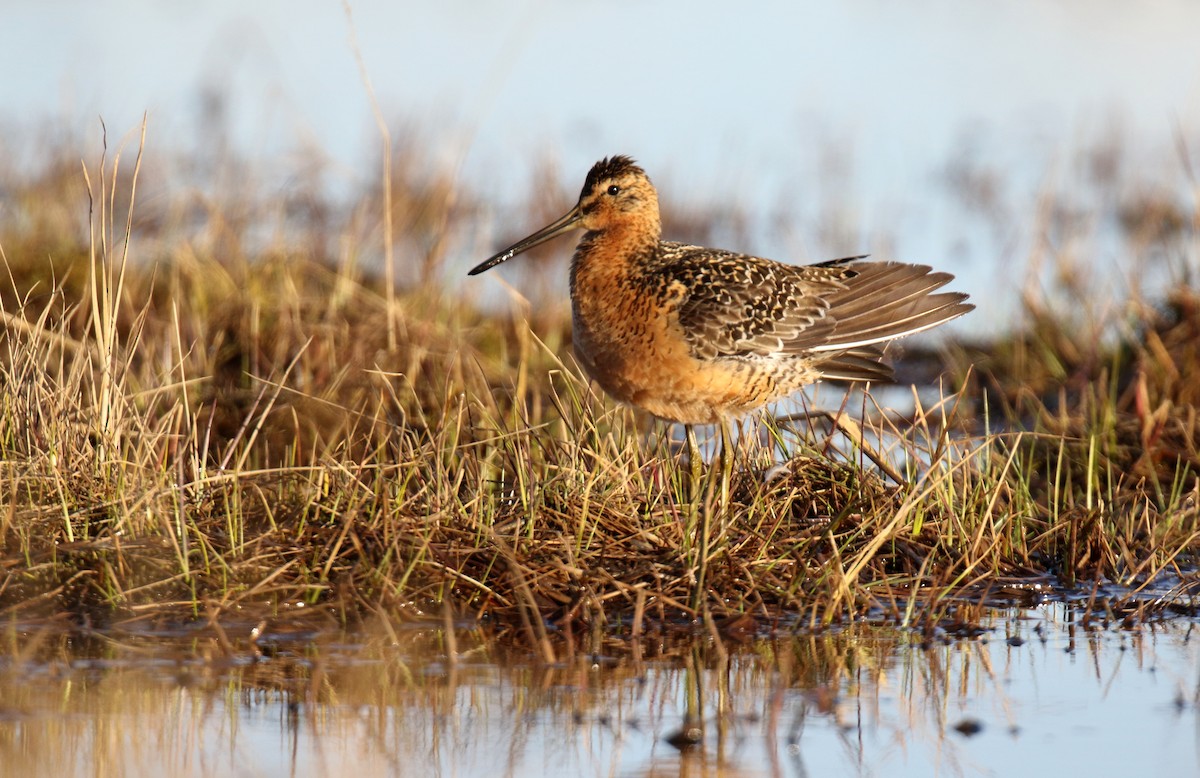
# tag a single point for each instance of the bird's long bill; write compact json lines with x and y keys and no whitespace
{"x":567,"y":223}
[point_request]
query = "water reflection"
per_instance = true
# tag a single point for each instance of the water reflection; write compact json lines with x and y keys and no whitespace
{"x":1030,"y":694}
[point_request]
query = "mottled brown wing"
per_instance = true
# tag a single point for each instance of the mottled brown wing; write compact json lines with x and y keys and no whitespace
{"x":738,"y":305}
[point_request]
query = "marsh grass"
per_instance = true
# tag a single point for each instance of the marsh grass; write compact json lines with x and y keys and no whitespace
{"x":196,"y":420}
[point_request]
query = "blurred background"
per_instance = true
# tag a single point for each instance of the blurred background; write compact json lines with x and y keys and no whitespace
{"x":931,"y":131}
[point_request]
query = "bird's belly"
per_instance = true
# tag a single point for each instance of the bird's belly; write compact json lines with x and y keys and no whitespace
{"x":653,"y":369}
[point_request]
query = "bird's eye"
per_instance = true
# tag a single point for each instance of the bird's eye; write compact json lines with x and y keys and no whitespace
{"x":614,"y":190}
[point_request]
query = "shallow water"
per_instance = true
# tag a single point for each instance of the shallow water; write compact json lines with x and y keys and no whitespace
{"x":1046,"y":696}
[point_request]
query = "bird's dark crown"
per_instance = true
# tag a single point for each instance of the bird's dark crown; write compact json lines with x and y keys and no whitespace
{"x":609,"y":167}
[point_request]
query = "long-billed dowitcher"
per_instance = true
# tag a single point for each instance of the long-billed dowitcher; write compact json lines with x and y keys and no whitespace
{"x":699,"y":335}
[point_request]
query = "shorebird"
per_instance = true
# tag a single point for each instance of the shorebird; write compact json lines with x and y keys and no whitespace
{"x":698,"y":335}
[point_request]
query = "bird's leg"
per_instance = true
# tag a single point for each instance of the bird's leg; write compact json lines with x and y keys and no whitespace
{"x":698,"y":516}
{"x":727,"y":456}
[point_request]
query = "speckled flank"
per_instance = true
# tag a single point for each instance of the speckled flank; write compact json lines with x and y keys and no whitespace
{"x":695,"y":335}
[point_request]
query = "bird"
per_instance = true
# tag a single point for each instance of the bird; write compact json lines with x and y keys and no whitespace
{"x":697,"y":335}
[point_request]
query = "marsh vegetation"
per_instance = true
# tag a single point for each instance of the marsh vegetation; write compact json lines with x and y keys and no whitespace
{"x":229,"y":396}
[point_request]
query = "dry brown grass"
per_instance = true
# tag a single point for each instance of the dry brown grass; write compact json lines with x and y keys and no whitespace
{"x":199,"y":418}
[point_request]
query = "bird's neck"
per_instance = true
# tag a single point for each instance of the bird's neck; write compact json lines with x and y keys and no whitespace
{"x":617,"y":247}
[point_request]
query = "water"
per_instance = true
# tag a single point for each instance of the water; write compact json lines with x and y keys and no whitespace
{"x":1046,"y":696}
